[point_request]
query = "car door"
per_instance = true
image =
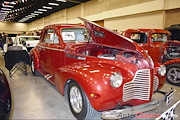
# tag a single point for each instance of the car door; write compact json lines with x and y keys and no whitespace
{"x":54,"y":51}
{"x":42,"y":52}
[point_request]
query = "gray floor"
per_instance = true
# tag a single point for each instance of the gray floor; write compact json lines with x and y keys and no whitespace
{"x":36,"y":98}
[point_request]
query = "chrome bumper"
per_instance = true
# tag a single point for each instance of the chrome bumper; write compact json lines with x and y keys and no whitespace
{"x":129,"y":111}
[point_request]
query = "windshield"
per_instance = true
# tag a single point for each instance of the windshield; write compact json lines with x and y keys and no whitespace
{"x":159,"y":37}
{"x":74,"y":35}
{"x":139,"y":37}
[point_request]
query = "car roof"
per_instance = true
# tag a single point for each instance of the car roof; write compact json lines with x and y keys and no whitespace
{"x":27,"y":36}
{"x":149,"y":30}
{"x":59,"y":26}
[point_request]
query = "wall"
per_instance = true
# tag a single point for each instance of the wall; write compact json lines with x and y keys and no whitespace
{"x":172,"y":17}
{"x":118,"y":14}
{"x":10,"y":27}
{"x":143,"y":20}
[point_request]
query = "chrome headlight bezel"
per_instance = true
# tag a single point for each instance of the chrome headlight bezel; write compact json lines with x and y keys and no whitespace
{"x":162,"y":70}
{"x":116,"y":80}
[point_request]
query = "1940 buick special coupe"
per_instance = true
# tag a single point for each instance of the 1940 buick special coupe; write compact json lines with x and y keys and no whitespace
{"x":98,"y":70}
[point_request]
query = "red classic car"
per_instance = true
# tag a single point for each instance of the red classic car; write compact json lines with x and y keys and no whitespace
{"x":162,"y":50}
{"x":5,"y":98}
{"x":97,"y":69}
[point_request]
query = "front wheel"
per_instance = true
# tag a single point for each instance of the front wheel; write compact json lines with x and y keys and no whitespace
{"x":79,"y":103}
{"x":173,"y":74}
{"x":33,"y":70}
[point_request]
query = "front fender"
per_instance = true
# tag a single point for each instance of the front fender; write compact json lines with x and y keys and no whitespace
{"x":35,"y":56}
{"x":94,"y":78}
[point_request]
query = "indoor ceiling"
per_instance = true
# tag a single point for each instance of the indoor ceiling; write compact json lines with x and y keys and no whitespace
{"x":26,"y":11}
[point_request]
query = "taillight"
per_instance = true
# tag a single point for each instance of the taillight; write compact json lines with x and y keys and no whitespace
{"x":28,"y":44}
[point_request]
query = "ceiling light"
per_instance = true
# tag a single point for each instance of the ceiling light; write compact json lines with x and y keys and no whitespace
{"x":7,"y":5}
{"x":6,"y":2}
{"x":38,"y":12}
{"x":42,"y":10}
{"x":55,"y":4}
{"x":5,"y":9}
{"x":29,"y":17}
{"x":62,"y":0}
{"x":34,"y":14}
{"x":47,"y":7}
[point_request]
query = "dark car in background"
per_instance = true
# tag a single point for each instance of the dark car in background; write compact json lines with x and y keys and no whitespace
{"x":5,"y":97}
{"x":175,"y":31}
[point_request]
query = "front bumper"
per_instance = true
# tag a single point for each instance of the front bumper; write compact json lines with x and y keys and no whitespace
{"x":129,"y":111}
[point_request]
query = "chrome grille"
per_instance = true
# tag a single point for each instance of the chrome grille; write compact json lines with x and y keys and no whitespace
{"x":139,"y":87}
{"x":155,"y":83}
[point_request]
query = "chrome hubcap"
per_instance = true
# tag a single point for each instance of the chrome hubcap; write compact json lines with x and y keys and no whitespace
{"x":75,"y":99}
{"x":32,"y":65}
{"x":174,"y":75}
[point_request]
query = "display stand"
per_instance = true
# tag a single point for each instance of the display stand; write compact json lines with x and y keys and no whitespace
{"x":16,"y":59}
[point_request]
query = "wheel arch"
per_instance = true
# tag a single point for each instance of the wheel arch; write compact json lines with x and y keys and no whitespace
{"x":172,"y":76}
{"x":34,"y":55}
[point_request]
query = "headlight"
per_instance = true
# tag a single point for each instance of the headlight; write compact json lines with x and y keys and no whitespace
{"x":116,"y":80}
{"x":162,"y":70}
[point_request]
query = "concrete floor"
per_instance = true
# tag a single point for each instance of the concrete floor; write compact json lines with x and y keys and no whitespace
{"x":35,"y":98}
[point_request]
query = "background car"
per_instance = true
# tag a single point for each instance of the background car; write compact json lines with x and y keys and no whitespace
{"x":162,"y":50}
{"x":5,"y":97}
{"x":175,"y":31}
{"x":26,"y":41}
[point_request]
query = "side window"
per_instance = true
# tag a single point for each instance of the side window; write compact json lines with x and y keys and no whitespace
{"x":51,"y":37}
{"x":139,"y":37}
{"x":159,"y":37}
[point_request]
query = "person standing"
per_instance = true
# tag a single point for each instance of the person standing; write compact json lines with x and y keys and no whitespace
{"x":3,"y":39}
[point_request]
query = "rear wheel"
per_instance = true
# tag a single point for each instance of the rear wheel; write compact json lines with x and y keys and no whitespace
{"x":33,"y":70}
{"x":79,"y":103}
{"x":173,"y":74}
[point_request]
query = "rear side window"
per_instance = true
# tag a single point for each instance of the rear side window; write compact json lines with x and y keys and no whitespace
{"x":51,"y":37}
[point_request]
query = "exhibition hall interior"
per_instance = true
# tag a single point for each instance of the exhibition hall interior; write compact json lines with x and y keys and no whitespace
{"x":90,"y":59}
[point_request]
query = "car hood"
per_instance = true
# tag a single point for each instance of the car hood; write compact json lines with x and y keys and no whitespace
{"x":104,"y":36}
{"x":174,"y":42}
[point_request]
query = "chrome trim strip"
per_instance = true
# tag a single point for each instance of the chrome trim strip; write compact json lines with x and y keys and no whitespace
{"x":51,"y":48}
{"x":48,"y":76}
{"x":76,"y":57}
